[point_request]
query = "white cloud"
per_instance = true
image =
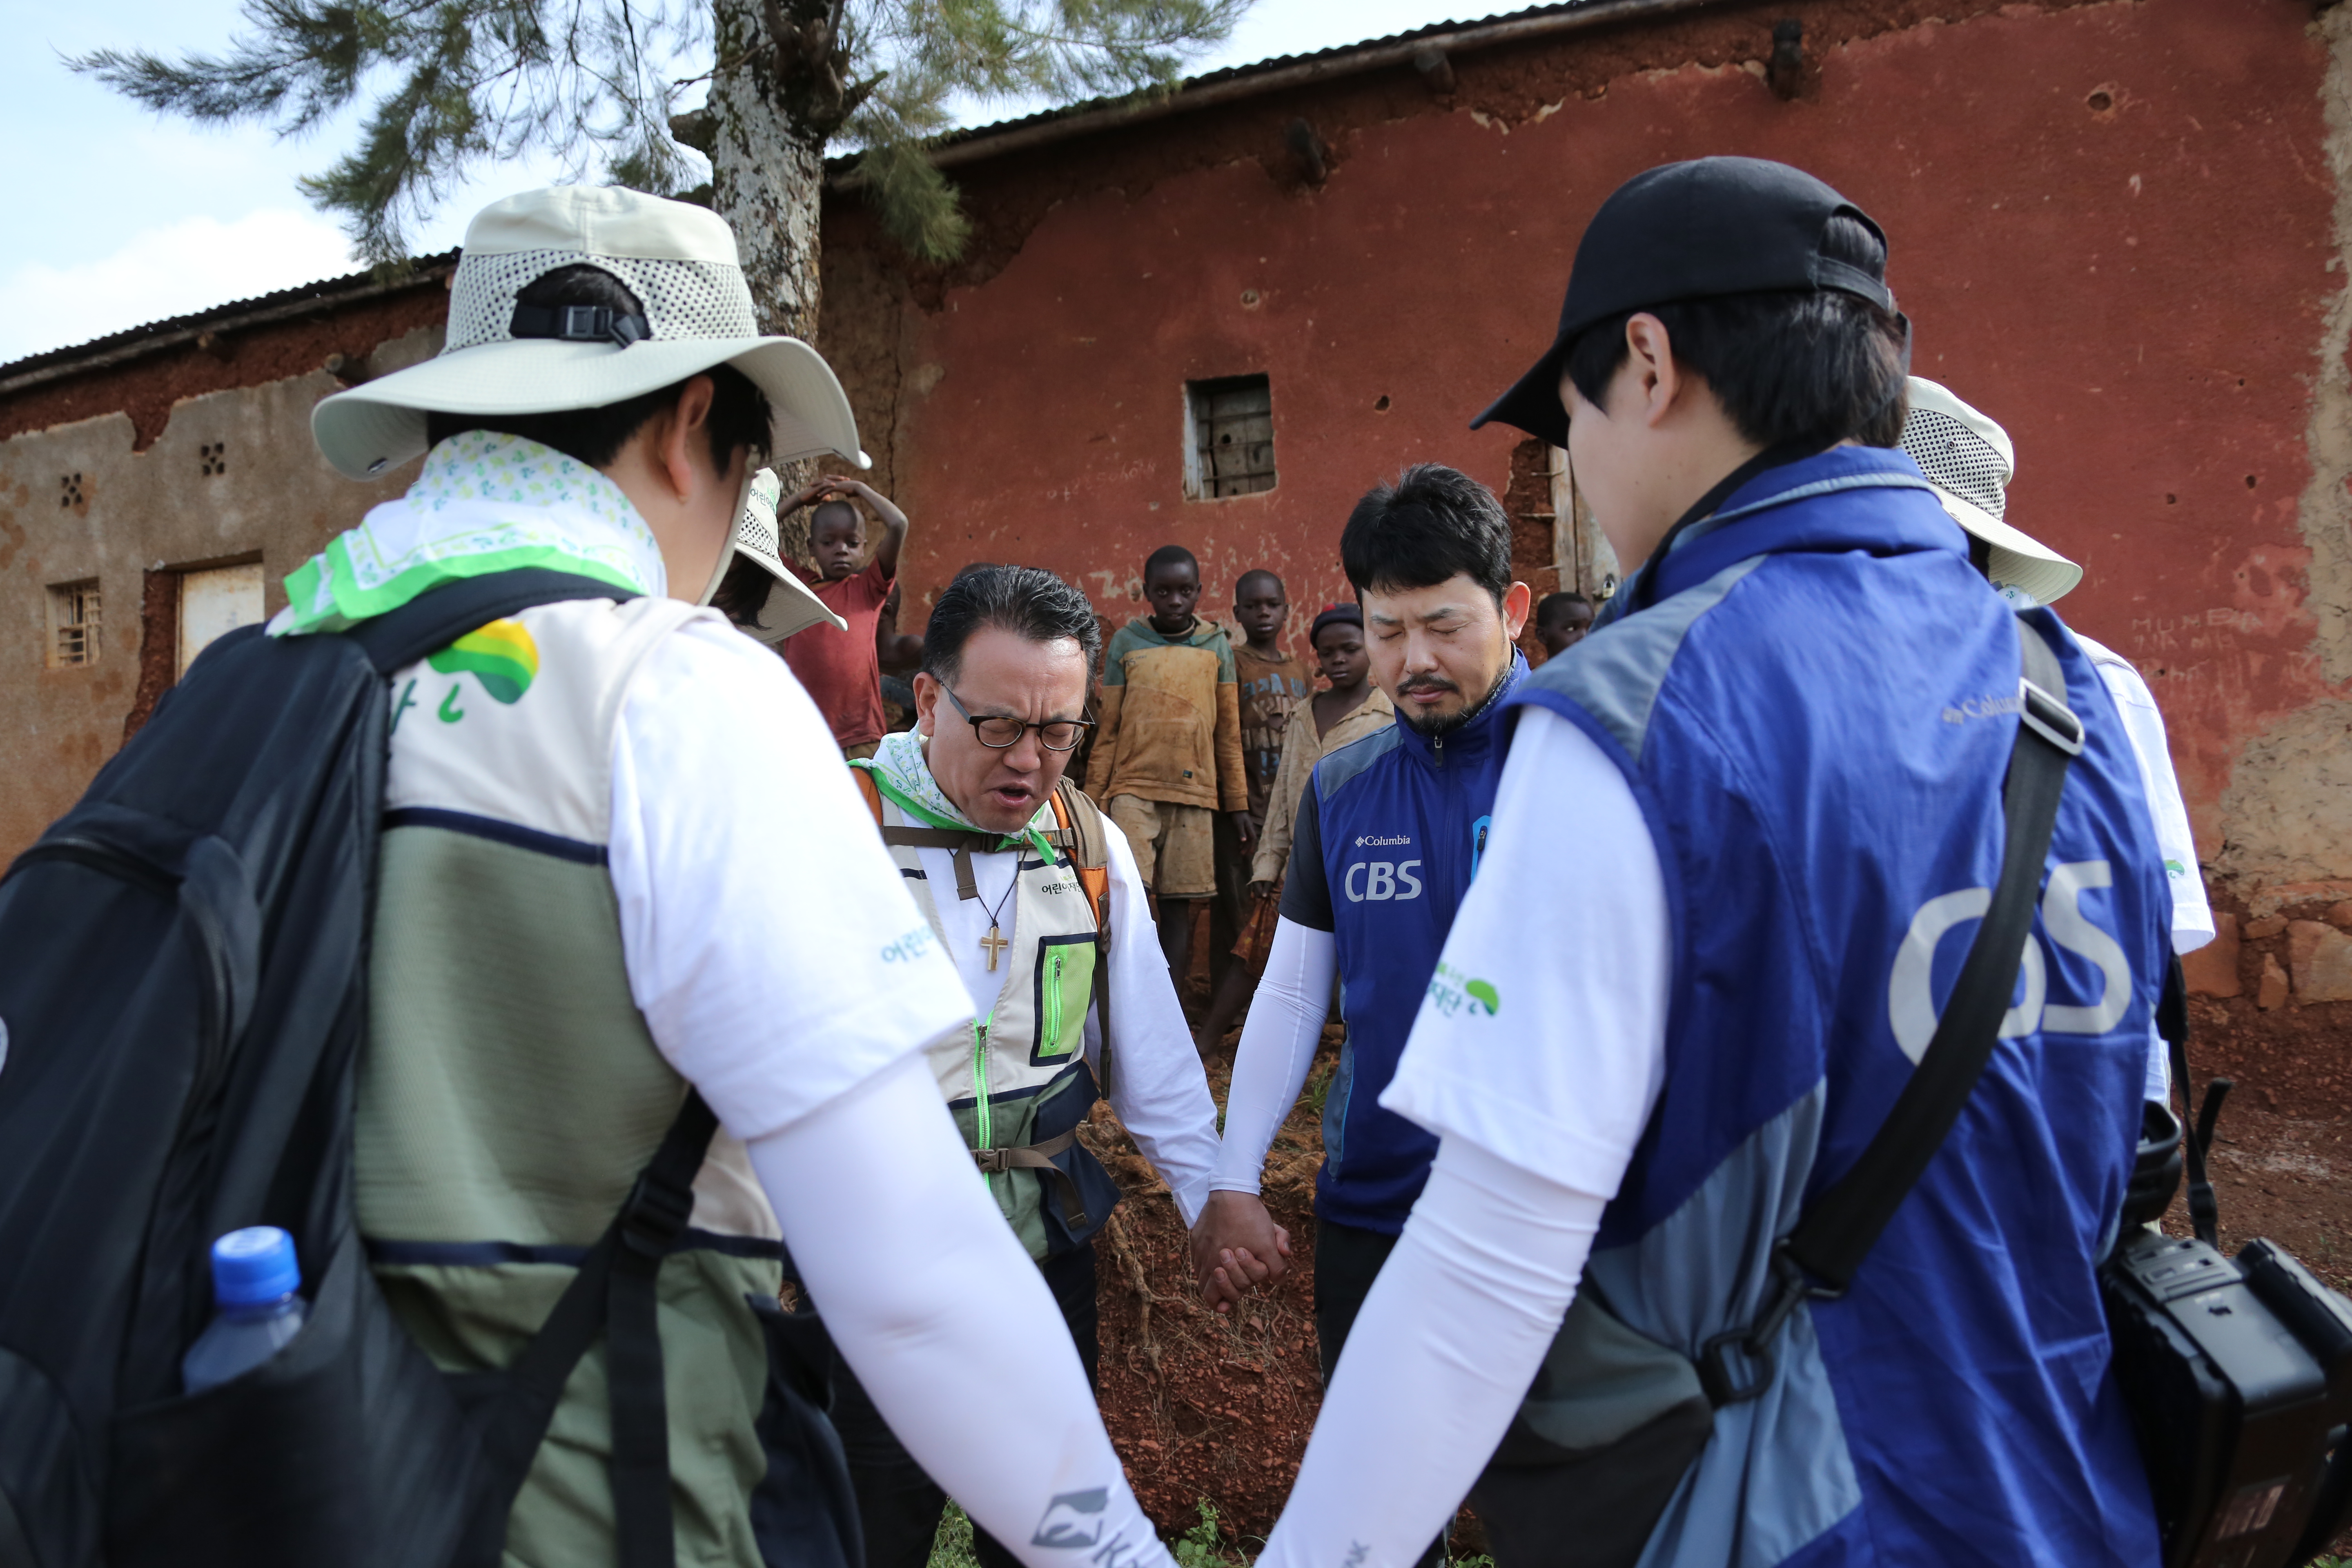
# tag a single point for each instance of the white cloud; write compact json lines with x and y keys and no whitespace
{"x":170,"y":271}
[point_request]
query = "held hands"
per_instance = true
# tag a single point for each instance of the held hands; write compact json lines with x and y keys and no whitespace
{"x":1237,"y":1247}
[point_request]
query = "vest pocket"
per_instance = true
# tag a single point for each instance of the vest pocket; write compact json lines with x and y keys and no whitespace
{"x":1065,"y":985}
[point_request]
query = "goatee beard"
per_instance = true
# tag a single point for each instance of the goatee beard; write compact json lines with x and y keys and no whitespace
{"x":1438,"y":728}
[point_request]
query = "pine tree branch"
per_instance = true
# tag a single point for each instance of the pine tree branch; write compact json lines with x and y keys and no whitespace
{"x":445,"y":86}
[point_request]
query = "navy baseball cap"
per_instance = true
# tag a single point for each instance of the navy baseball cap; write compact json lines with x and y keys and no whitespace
{"x":1689,"y":231}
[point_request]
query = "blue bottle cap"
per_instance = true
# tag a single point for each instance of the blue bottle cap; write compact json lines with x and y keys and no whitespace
{"x":254,"y":1267}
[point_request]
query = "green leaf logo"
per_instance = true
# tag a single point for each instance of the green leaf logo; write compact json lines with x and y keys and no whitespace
{"x":1483,"y":994}
{"x":501,"y":655}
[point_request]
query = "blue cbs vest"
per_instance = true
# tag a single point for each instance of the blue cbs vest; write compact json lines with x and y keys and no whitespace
{"x":1403,"y":820}
{"x":1815,"y":713}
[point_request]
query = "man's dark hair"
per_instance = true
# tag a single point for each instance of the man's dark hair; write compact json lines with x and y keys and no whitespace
{"x":1432,"y":524}
{"x":1027,"y":601}
{"x":740,"y":415}
{"x":1241,"y":583}
{"x":1560,"y":605}
{"x":1169,"y":555}
{"x":1805,"y":365}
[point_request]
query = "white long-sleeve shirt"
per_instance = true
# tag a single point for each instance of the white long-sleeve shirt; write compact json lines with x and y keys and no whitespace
{"x":1157,"y":1085}
{"x":772,"y":971}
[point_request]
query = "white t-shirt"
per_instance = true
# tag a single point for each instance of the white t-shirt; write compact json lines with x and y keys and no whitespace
{"x":2193,"y":916}
{"x":1156,"y":1084}
{"x":1557,"y":1075}
{"x":771,"y":944}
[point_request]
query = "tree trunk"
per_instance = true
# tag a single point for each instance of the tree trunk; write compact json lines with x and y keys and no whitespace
{"x":767,"y":165}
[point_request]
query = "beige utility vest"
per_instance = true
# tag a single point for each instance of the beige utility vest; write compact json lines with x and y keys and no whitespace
{"x":509,"y":1091}
{"x":1020,"y":1078}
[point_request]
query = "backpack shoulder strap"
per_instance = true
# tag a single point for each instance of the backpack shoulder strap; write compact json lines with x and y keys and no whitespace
{"x":1082,"y":826}
{"x":865,"y":787}
{"x":1081,"y":822}
{"x":439,"y":616}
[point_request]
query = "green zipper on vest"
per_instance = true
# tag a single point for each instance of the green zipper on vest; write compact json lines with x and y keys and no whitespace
{"x":982,"y":1130}
{"x":1049,"y":1007}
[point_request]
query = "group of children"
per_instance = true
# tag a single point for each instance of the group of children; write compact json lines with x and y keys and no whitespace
{"x":1202,"y":743}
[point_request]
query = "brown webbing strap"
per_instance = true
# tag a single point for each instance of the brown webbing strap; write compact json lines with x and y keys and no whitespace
{"x":872,"y":794}
{"x":1081,"y":826}
{"x":956,"y":840}
{"x":1039,"y":1157}
{"x":941,"y":838}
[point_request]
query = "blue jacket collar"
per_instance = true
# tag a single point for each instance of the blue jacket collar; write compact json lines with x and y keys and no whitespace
{"x":1763,"y":517}
{"x":1473,"y":739}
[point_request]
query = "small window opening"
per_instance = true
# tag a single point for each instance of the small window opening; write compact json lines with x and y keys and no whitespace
{"x":1233,"y":438}
{"x":73,"y":624}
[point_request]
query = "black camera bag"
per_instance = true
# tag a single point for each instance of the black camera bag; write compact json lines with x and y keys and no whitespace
{"x":2238,"y":1373}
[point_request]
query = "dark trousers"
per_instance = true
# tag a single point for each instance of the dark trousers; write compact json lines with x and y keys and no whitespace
{"x":1347,"y":1258}
{"x":898,"y":1504}
{"x":1229,"y":910}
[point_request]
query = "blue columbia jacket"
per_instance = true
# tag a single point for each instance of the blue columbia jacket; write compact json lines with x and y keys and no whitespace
{"x":1815,"y":713}
{"x":1388,"y":837}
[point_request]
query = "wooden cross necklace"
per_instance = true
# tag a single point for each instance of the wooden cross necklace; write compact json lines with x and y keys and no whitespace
{"x":995,"y":943}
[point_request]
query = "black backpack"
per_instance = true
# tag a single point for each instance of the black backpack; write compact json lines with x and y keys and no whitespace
{"x":182,"y":1000}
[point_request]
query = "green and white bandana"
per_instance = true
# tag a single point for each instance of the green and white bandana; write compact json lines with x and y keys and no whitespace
{"x":903,"y":773}
{"x":485,"y":502}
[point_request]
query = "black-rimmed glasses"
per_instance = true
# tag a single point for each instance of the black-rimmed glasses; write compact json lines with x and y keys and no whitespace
{"x":1001,"y":732}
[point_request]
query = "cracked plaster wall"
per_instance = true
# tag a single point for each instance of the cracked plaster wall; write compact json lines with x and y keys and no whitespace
{"x":2119,"y":227}
{"x":139,"y":509}
{"x":2286,"y":814}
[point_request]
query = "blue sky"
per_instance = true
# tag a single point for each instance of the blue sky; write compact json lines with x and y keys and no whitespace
{"x":117,"y":218}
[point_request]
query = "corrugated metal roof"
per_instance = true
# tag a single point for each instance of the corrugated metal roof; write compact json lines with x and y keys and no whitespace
{"x":1255,"y":68}
{"x":326,"y":292}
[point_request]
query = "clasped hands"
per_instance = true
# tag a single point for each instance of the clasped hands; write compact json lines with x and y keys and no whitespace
{"x":1237,"y":1247}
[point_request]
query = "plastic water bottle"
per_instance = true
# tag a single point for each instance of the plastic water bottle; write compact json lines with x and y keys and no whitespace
{"x":255,"y":1281}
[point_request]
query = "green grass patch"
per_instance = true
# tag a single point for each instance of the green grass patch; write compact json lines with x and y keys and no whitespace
{"x":951,"y":1548}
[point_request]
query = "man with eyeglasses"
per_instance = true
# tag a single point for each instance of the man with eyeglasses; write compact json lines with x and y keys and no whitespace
{"x":991,"y":842}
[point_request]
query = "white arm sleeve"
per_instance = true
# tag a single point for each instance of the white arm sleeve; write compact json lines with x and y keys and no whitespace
{"x":775,"y":969}
{"x":1156,"y":1083}
{"x":1285,"y":1020}
{"x":1444,"y":1350}
{"x":916,"y":1273}
{"x":1535,"y":1058}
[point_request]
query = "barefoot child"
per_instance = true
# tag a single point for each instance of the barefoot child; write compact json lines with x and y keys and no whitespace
{"x":1272,"y":683}
{"x":1168,"y":747}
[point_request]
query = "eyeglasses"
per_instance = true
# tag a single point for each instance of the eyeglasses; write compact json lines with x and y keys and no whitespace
{"x":1000,"y":731}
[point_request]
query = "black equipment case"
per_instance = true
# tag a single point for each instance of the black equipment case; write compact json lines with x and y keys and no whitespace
{"x":2238,"y":1372}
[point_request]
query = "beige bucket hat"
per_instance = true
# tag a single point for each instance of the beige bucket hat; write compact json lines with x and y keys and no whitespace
{"x":792,"y":605}
{"x":1969,"y":460}
{"x":681,"y":262}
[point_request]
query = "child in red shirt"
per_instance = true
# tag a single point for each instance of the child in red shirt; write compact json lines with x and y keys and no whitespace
{"x":839,"y":669}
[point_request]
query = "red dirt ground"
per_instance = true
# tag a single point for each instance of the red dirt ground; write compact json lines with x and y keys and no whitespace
{"x":1199,"y":1405}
